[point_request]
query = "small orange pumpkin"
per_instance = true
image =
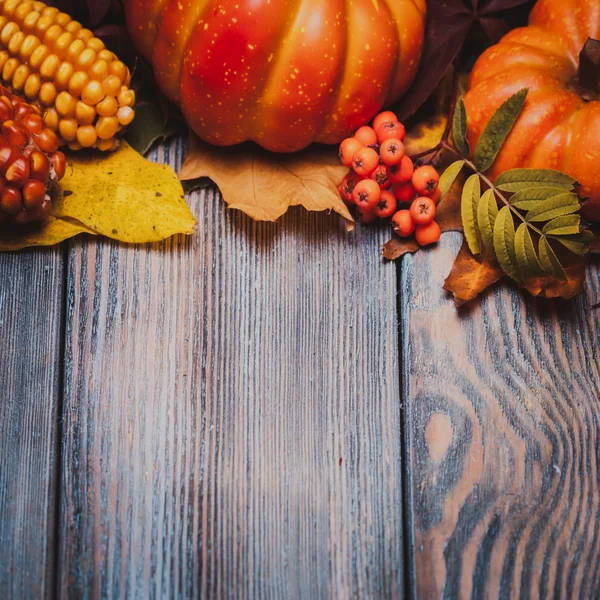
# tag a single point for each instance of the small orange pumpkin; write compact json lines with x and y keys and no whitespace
{"x":559,"y":127}
{"x":283,"y":73}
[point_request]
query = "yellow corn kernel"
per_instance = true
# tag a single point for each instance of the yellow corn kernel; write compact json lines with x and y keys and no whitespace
{"x":65,"y":104}
{"x":107,"y":107}
{"x":96,"y":44}
{"x":42,"y":25}
{"x":107,"y":145}
{"x":32,"y":86}
{"x":30,"y":21}
{"x":75,"y":49}
{"x":10,"y":66}
{"x":52,"y":35}
{"x":85,"y":35}
{"x":74,"y":146}
{"x":20,"y":77}
{"x":84,"y":114}
{"x":62,"y":44}
{"x":119,"y":69}
{"x":39,"y":55}
{"x":28,"y":47}
{"x":77,"y":82}
{"x":92,"y":93}
{"x":50,"y":11}
{"x":73,"y":27}
{"x":7,"y":32}
{"x":4,"y":56}
{"x":126,"y":97}
{"x":106,"y":55}
{"x":63,"y":75}
{"x":125,"y":115}
{"x":15,"y":43}
{"x":87,"y":136}
{"x":51,"y":119}
{"x":63,"y":19}
{"x":111,"y":85}
{"x":68,"y":129}
{"x":10,"y":6}
{"x":86,"y":59}
{"x":99,"y":70}
{"x":49,"y":66}
{"x":23,"y":10}
{"x":47,"y":93}
{"x":107,"y":127}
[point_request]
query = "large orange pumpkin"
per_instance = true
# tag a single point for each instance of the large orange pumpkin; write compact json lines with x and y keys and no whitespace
{"x":283,"y":73}
{"x":559,"y":127}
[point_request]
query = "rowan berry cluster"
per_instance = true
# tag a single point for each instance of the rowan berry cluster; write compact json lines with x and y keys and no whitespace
{"x":383,"y":182}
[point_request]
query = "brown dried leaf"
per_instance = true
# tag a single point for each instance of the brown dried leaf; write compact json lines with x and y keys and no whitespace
{"x":547,"y":287}
{"x":265,"y":185}
{"x":470,"y":276}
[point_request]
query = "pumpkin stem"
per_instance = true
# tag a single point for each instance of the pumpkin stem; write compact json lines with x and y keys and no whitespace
{"x":587,"y":82}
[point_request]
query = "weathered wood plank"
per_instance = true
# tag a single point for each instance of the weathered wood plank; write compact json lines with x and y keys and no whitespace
{"x":232,"y":414}
{"x":31,"y":286}
{"x":502,"y":411}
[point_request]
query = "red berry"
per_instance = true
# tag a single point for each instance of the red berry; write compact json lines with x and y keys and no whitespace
{"x":425,"y":179}
{"x":386,"y":116}
{"x":391,"y":130}
{"x":435,"y":195}
{"x":366,"y":135}
{"x":428,"y":234}
{"x":403,"y":223}
{"x":391,"y":151}
{"x":403,"y":172}
{"x":405,"y":192}
{"x":380,"y":176}
{"x":422,"y":210}
{"x":347,"y":186}
{"x":386,"y":206}
{"x":348,"y":149}
{"x":365,"y":161}
{"x":366,"y":215}
{"x":366,"y":194}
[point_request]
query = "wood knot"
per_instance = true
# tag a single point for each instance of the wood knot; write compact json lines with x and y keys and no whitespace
{"x":438,"y":435}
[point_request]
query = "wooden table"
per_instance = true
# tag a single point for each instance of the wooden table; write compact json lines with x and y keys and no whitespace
{"x":270,"y":411}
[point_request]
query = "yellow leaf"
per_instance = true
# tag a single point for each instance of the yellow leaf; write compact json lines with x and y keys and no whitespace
{"x":265,"y":185}
{"x":123,"y":196}
{"x":51,"y":231}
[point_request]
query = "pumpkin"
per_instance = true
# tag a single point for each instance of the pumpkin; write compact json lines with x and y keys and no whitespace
{"x":559,"y":127}
{"x":283,"y":73}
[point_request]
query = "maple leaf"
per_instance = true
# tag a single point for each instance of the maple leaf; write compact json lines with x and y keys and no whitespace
{"x":450,"y":23}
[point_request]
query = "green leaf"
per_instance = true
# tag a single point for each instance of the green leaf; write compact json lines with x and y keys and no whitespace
{"x":525,"y":250}
{"x":468,"y":210}
{"x":449,"y":177}
{"x":565,"y":204}
{"x":504,"y":243}
{"x":516,"y":180}
{"x":527,"y":198}
{"x":460,"y":128}
{"x":577,"y":244}
{"x":550,"y":261}
{"x":496,"y":131}
{"x":567,"y":225}
{"x":487,"y":211}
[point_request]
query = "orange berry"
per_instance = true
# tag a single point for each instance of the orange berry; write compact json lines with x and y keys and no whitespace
{"x":422,"y":210}
{"x":435,"y":195}
{"x":428,"y":234}
{"x":403,"y":223}
{"x":425,"y":179}
{"x":366,"y":135}
{"x":405,"y":192}
{"x":365,"y":161}
{"x":347,"y":150}
{"x":391,"y":151}
{"x":381,"y":177}
{"x":384,"y":117}
{"x":347,"y":186}
{"x":386,"y":206}
{"x":402,"y":172}
{"x":366,"y":194}
{"x":391,"y":130}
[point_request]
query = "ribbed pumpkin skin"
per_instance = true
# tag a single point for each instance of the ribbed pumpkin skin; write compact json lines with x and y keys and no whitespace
{"x":557,"y":129}
{"x":283,"y":73}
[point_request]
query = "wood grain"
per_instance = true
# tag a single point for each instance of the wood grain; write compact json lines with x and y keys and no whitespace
{"x":502,"y":411}
{"x":31,"y":286}
{"x":232,"y":414}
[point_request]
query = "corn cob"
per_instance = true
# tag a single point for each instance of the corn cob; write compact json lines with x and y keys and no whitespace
{"x":52,"y":61}
{"x":30,"y":162}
